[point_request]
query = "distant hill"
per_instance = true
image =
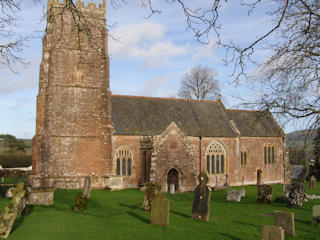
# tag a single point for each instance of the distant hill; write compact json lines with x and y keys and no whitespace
{"x":299,"y":138}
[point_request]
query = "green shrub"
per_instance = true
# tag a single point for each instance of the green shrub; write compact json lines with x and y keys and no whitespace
{"x":15,"y":161}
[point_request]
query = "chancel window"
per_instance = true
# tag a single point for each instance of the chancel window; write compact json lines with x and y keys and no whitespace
{"x":269,"y":154}
{"x":124,"y":162}
{"x":216,"y":158}
{"x":244,"y":157}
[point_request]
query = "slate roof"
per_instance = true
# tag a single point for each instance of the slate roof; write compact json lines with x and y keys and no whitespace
{"x":133,"y":115}
{"x":255,"y":123}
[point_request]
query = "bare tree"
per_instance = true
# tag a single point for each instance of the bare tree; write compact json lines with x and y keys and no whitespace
{"x":290,"y":76}
{"x":11,"y":43}
{"x":199,"y":83}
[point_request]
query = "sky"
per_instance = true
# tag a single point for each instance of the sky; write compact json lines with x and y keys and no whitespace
{"x":148,"y":58}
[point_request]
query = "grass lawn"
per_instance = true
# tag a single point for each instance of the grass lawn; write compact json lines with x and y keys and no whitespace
{"x":118,"y":215}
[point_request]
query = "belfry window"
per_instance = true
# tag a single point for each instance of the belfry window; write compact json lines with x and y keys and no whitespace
{"x":124,"y":162}
{"x":216,"y":158}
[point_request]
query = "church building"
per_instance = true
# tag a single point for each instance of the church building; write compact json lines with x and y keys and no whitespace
{"x":125,"y":141}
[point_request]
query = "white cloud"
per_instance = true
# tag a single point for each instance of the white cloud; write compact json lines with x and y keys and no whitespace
{"x":154,"y":86}
{"x":144,"y":41}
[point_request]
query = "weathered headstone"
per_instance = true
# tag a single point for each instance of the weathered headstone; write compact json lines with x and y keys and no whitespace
{"x":201,"y":202}
{"x":227,"y":181}
{"x":312,"y":182}
{"x":160,"y":210}
{"x":172,"y":188}
{"x":82,"y":199}
{"x":270,"y":232}
{"x":10,"y":212}
{"x":316,"y":213}
{"x":242,"y":192}
{"x":151,"y":189}
{"x":286,"y":221}
{"x":42,"y":197}
{"x":296,"y":194}
{"x":87,"y":187}
{"x":233,"y":196}
{"x":264,"y":194}
{"x":259,"y":176}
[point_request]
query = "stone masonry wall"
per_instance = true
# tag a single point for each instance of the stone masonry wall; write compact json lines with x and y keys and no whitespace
{"x":133,"y":144}
{"x":73,"y":128}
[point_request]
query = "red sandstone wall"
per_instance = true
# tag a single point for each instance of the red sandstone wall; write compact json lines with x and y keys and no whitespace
{"x":173,"y":153}
{"x":73,"y":132}
{"x":133,"y":144}
{"x":271,"y":173}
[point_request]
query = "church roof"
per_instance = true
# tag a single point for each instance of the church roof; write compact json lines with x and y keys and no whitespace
{"x":133,"y":115}
{"x":255,"y":123}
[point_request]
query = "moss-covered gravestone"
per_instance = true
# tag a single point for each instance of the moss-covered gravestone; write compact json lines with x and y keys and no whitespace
{"x":82,"y":198}
{"x":201,"y":202}
{"x":264,"y":194}
{"x":151,"y":189}
{"x":316,"y":215}
{"x":286,"y":221}
{"x":272,"y":233}
{"x":10,"y":212}
{"x":160,"y":210}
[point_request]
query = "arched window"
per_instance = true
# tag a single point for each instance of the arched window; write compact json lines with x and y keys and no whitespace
{"x":269,"y":154}
{"x":216,"y":158}
{"x":244,"y":157}
{"x":124,"y":162}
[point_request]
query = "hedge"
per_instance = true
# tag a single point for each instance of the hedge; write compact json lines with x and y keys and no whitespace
{"x":15,"y":161}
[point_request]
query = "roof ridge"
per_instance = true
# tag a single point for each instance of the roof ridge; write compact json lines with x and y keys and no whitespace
{"x":162,"y":98}
{"x":245,"y":110}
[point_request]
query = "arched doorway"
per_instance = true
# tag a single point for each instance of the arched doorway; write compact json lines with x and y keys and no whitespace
{"x":173,"y":178}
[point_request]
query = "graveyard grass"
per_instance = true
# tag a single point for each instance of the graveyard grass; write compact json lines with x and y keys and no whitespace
{"x":119,"y":215}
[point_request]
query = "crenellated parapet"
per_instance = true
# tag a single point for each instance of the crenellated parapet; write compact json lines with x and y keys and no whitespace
{"x":98,"y":9}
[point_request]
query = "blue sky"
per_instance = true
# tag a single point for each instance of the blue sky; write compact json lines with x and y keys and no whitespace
{"x":149,"y":58}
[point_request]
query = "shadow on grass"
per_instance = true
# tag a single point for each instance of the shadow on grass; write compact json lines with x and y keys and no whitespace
{"x":129,"y":206}
{"x":244,"y":223}
{"x":141,"y":218}
{"x":20,"y":218}
{"x":180,"y":214}
{"x":229,"y":236}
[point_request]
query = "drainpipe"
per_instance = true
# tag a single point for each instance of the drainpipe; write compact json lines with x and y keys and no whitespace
{"x":200,"y":154}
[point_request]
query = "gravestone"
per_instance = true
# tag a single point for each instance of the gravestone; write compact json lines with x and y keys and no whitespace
{"x":172,"y":188}
{"x":227,"y":181}
{"x":82,"y":199}
{"x":201,"y":202}
{"x":233,"y":196}
{"x":316,"y":213}
{"x":286,"y":221}
{"x":312,"y":182}
{"x":296,"y":194}
{"x":270,"y":232}
{"x":264,"y":194}
{"x":160,"y":210}
{"x":41,"y":197}
{"x":10,"y":212}
{"x":259,"y":176}
{"x":242,"y":192}
{"x":150,"y":191}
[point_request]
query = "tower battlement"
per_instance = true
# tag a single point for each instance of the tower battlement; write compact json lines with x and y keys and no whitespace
{"x":92,"y":6}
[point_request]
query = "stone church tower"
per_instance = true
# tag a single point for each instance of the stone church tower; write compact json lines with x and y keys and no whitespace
{"x":73,"y":126}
